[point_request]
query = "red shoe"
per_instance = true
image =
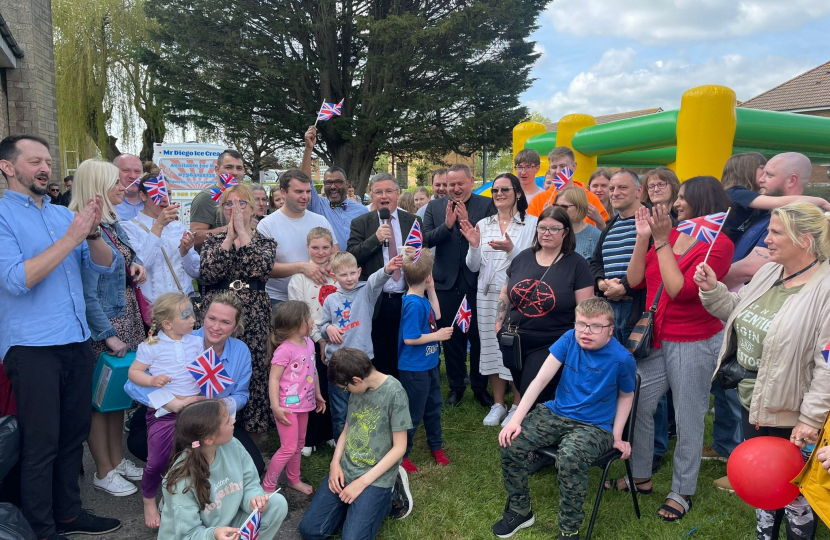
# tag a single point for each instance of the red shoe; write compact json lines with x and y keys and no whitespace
{"x":408,"y":466}
{"x":440,"y":458}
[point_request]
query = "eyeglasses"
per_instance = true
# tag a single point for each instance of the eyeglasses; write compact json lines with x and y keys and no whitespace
{"x":522,"y":168}
{"x":242,"y":204}
{"x":387,"y":192}
{"x":497,"y":190}
{"x":565,"y":206}
{"x":591,"y":328}
{"x":549,"y":230}
{"x":658,"y":186}
{"x":338,"y":183}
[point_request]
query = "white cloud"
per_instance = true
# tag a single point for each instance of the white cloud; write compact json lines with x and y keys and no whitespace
{"x":615,"y":84}
{"x":667,"y":21}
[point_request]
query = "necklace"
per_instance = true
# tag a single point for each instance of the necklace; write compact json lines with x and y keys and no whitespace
{"x":786,"y":279}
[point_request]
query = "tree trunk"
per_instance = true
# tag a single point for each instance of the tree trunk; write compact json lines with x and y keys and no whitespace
{"x":154,"y":133}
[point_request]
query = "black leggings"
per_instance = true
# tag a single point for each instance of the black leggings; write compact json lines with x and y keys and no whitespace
{"x":534,"y":353}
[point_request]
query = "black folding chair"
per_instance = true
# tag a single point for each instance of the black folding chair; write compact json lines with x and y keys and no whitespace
{"x":604,"y":461}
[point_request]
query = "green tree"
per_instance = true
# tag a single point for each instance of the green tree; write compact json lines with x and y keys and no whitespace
{"x":98,"y":74}
{"x":417,"y":78}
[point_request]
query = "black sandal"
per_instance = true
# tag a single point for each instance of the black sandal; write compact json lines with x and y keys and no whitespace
{"x":676,"y":514}
{"x":627,"y":489}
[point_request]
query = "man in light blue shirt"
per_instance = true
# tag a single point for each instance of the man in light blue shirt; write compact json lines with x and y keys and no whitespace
{"x":336,"y":207}
{"x":44,"y":337}
{"x":129,"y":171}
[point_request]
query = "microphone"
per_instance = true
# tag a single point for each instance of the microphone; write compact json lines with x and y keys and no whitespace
{"x":385,"y":216}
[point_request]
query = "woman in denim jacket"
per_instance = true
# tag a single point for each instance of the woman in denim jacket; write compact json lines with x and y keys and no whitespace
{"x":114,"y":320}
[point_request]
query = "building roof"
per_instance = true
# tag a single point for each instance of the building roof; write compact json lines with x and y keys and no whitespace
{"x":808,"y":91}
{"x":614,"y":117}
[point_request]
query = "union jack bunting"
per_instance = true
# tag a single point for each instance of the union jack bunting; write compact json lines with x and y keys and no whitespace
{"x":228,"y":180}
{"x":562,"y":178}
{"x":210,"y":374}
{"x":328,"y":110}
{"x":157,"y":188}
{"x":704,"y":228}
{"x":464,"y":315}
{"x":250,"y":529}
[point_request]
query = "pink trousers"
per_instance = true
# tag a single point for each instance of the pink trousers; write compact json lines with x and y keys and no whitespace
{"x":292,"y":440}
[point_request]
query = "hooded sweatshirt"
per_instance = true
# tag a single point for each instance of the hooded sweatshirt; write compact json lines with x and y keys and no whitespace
{"x":352,"y":311}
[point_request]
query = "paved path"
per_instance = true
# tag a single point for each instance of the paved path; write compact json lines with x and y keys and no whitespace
{"x":129,"y":509}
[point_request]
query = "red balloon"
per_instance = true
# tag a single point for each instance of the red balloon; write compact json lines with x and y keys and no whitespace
{"x":761,"y":469}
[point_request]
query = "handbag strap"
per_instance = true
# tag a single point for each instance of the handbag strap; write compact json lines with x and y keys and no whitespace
{"x":653,"y":307}
{"x":536,"y":288}
{"x":163,"y":252}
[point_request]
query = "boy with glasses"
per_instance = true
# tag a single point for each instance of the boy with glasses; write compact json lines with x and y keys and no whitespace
{"x":585,"y":419}
{"x":527,"y":164}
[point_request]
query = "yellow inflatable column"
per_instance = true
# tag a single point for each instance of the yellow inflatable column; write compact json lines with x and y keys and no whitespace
{"x":705,"y":131}
{"x":565,"y":131}
{"x":521,"y":133}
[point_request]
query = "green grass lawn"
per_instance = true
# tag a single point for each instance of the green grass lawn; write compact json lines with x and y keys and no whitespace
{"x":463,"y":500}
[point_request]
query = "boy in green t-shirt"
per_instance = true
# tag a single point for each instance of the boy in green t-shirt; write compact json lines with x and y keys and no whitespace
{"x":365,"y":481}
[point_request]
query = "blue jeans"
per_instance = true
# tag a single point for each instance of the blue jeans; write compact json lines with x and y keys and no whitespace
{"x":727,"y":432}
{"x":661,"y":427}
{"x":339,"y":407}
{"x":621,"y":313}
{"x":423,"y":388}
{"x":359,"y":521}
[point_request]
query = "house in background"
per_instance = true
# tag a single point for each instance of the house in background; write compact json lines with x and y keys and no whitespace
{"x":808,"y":93}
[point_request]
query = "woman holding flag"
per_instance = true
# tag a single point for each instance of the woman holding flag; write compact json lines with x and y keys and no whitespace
{"x":114,"y":318}
{"x":686,"y":338}
{"x":494,"y":242}
{"x":777,"y":332}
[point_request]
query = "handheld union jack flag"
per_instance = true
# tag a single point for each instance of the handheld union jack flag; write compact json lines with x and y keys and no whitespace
{"x":157,"y":188}
{"x":562,"y":178}
{"x":704,"y":228}
{"x":328,"y":110}
{"x":464,"y":315}
{"x":228,"y":180}
{"x":210,"y":374}
{"x":415,"y":239}
{"x":250,"y":529}
{"x":826,"y":354}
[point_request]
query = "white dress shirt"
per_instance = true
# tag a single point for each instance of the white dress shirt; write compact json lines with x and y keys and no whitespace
{"x":393,"y":286}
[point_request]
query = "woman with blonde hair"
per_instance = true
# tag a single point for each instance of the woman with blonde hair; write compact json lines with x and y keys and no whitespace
{"x":241,"y":259}
{"x":114,"y":318}
{"x":776,"y":329}
{"x":574,"y":201}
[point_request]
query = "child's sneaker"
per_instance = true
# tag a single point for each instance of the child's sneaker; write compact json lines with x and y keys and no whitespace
{"x":512,"y":523}
{"x":572,"y":536}
{"x":401,"y":496}
{"x":331,"y":442}
{"x":440,"y":458}
{"x":497,"y":413}
{"x":408,"y":466}
{"x":509,"y":416}
{"x":114,"y":484}
{"x":129,"y":470}
{"x":307,"y":450}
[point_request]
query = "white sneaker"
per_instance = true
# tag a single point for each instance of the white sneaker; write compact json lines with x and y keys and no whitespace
{"x":129,"y":470}
{"x":114,"y":484}
{"x":509,"y":415}
{"x":331,"y":442}
{"x":496,"y":414}
{"x":307,"y":450}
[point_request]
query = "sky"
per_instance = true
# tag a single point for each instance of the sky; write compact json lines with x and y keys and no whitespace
{"x":605,"y":56}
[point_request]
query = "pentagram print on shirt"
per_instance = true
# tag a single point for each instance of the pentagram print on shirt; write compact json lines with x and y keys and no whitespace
{"x":533,"y":298}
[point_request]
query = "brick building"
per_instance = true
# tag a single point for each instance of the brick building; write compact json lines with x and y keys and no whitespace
{"x":27,"y":74}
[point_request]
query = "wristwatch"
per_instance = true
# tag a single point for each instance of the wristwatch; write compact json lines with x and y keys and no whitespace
{"x":95,"y":235}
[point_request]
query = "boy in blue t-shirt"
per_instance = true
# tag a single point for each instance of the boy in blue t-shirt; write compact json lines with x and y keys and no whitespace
{"x":418,"y":356}
{"x":585,"y":420}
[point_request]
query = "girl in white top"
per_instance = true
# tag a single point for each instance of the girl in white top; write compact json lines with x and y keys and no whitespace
{"x":161,"y":362}
{"x":494,"y":241}
{"x":157,"y":228}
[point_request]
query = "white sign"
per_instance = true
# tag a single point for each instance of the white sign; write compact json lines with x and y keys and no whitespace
{"x":187,"y":166}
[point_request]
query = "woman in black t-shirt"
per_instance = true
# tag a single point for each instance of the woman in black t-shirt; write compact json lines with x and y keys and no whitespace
{"x":544,"y":284}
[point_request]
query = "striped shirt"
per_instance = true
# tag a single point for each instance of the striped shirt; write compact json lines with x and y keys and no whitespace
{"x":618,"y":247}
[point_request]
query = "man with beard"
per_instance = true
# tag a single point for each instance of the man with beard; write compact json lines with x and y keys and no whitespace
{"x":454,"y":280}
{"x":290,"y":226}
{"x":336,"y":207}
{"x":130,"y":170}
{"x":439,"y":190}
{"x":205,"y":217}
{"x":46,"y":247}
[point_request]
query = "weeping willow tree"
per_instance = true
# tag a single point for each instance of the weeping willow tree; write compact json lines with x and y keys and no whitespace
{"x":103,"y":90}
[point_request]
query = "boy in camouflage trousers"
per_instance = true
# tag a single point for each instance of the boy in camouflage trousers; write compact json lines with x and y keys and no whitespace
{"x":585,"y":420}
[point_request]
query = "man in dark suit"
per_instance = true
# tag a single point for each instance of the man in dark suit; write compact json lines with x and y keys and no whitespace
{"x":453,"y":280}
{"x":366,"y":244}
